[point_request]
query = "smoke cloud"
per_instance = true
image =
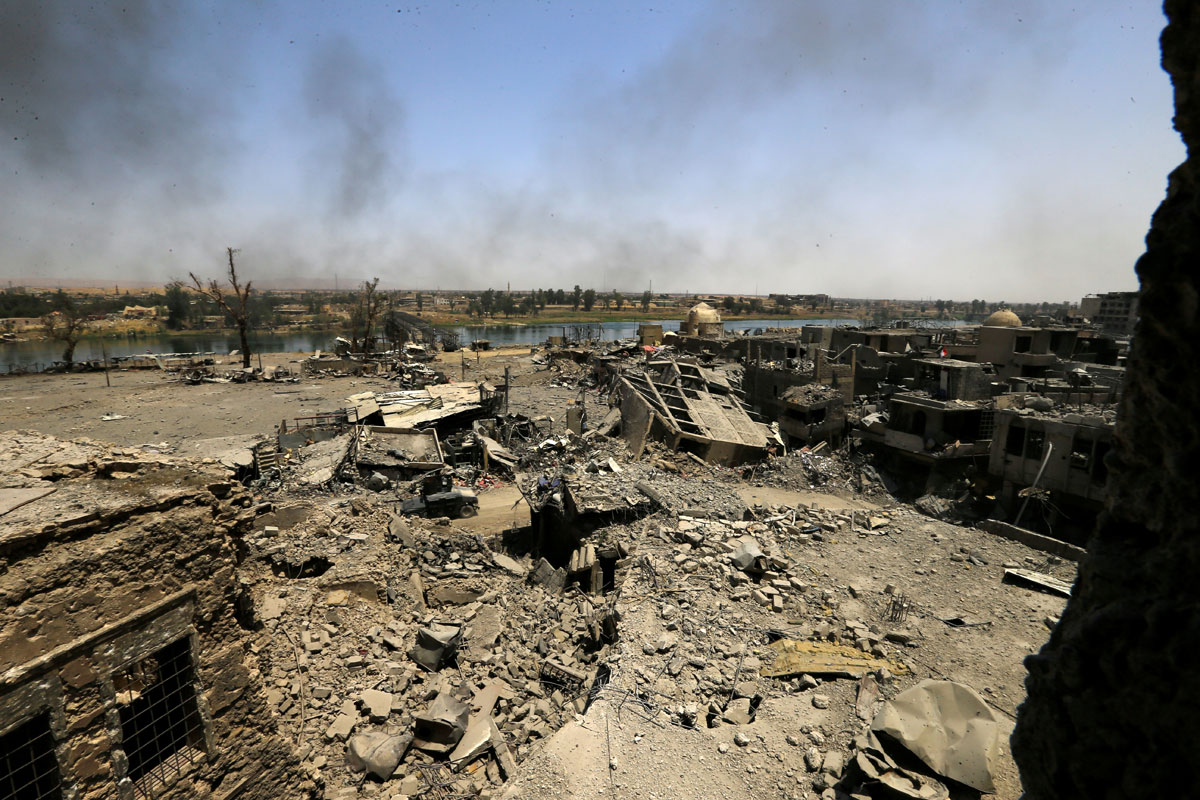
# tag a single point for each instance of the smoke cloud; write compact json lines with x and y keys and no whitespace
{"x":856,"y":148}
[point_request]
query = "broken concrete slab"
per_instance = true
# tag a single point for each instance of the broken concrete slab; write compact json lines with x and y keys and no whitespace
{"x":950,"y":728}
{"x":378,"y":704}
{"x":509,"y":565}
{"x":377,"y":753}
{"x":1037,"y":580}
{"x":441,"y":726}
{"x":435,"y":645}
{"x":341,"y":727}
{"x":551,"y":579}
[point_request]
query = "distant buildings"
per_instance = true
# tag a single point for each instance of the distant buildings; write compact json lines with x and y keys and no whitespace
{"x":1114,"y":312}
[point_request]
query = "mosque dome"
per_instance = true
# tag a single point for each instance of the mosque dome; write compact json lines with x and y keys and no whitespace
{"x":1002,"y":319}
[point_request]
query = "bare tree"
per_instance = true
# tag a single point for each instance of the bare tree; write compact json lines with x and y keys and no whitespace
{"x":237,"y":307}
{"x":66,"y":324}
{"x":364,"y":315}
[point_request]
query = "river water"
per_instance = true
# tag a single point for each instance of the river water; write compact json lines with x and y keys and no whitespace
{"x":41,"y":353}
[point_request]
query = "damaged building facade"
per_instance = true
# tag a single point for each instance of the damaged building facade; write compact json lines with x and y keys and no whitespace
{"x":123,"y":662}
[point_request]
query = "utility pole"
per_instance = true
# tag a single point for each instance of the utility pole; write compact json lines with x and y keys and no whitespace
{"x":507,"y":388}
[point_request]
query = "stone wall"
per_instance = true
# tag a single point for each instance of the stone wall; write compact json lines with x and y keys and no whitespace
{"x":1111,"y":697}
{"x":99,"y":576}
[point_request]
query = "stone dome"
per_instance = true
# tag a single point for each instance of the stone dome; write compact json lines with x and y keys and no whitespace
{"x":1002,"y":319}
{"x":703,"y":312}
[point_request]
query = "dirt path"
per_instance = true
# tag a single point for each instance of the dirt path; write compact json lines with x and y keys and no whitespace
{"x":497,"y":512}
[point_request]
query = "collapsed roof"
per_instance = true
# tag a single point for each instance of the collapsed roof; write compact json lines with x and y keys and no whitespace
{"x":689,"y":408}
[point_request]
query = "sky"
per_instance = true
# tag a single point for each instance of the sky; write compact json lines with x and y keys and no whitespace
{"x":860,"y":148}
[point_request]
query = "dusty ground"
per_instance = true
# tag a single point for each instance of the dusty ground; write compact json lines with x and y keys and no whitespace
{"x":945,"y":571}
{"x":159,"y":408}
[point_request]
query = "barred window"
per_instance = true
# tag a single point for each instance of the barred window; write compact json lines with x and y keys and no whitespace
{"x":161,"y":727}
{"x":28,"y":767}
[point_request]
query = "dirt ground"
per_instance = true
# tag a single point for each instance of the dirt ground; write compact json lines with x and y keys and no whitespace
{"x":157,"y":407}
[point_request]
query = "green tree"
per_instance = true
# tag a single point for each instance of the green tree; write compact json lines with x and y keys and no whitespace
{"x":618,"y":300}
{"x":420,"y":301}
{"x":560,"y":297}
{"x":487,"y":301}
{"x":577,"y":297}
{"x":589,"y":299}
{"x":178,"y":305}
{"x":508,"y":304}
{"x":646,"y":298}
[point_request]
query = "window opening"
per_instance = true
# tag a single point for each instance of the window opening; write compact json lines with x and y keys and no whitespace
{"x":161,"y":729}
{"x":28,"y":767}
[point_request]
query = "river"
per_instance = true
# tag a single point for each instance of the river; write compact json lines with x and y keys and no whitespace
{"x":41,"y":353}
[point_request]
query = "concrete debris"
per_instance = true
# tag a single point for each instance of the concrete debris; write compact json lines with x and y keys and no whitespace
{"x":950,"y":728}
{"x":1037,"y":580}
{"x":377,"y":753}
{"x":436,"y":645}
{"x":441,"y":726}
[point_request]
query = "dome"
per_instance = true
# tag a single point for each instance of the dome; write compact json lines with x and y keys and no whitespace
{"x":1002,"y":319}
{"x":703,"y":312}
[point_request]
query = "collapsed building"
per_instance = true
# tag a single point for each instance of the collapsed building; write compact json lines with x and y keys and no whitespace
{"x":1053,"y":465}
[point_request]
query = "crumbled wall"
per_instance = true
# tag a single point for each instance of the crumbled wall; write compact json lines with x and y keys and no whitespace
{"x":1111,"y":711}
{"x":156,"y":563}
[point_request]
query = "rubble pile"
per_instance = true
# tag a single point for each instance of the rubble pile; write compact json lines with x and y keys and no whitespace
{"x":418,"y":655}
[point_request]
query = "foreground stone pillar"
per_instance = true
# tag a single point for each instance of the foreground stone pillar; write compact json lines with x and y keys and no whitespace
{"x":1112,"y":705}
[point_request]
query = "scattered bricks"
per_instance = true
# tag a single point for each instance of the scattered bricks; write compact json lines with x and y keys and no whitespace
{"x":321,"y":692}
{"x":759,"y":597}
{"x":355,"y":662}
{"x":777,"y":603}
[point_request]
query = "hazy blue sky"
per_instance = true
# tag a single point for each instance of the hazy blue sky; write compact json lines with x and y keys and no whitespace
{"x":1003,"y":150}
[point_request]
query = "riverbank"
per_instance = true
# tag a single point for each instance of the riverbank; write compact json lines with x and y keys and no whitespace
{"x":602,"y":317}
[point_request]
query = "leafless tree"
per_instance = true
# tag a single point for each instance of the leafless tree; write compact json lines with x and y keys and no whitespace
{"x":236,"y":306}
{"x":66,"y":324}
{"x":364,"y":315}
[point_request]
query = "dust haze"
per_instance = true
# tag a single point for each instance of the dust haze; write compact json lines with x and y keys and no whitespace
{"x":859,"y":149}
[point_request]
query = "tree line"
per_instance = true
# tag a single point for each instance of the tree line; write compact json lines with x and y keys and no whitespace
{"x":491,"y":302}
